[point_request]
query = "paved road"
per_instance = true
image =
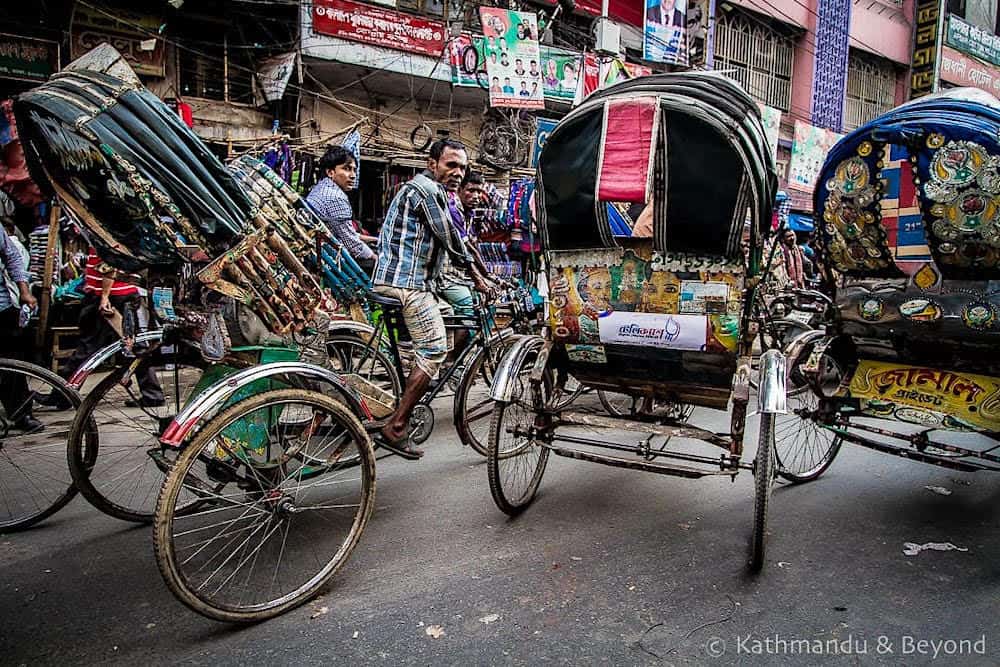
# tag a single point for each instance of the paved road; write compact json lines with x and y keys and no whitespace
{"x":609,"y":566}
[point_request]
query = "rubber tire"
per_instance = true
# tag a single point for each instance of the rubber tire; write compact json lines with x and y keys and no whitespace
{"x":608,"y":406}
{"x":459,"y":407}
{"x":81,"y":463}
{"x":163,"y":545}
{"x":470,"y":59}
{"x":764,"y":470}
{"x":510,"y":506}
{"x":813,"y":474}
{"x":70,"y":395}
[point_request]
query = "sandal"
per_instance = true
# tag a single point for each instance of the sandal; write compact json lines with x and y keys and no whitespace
{"x":401,"y":447}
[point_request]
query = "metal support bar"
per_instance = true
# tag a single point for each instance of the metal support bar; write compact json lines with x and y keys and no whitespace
{"x":673,"y":470}
{"x":583,"y":419}
{"x":723,"y":462}
{"x":917,"y":440}
{"x":953,"y":464}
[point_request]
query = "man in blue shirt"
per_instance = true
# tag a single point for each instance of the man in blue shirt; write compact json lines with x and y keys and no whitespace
{"x":13,"y":341}
{"x":416,"y":236}
{"x":329,"y":199}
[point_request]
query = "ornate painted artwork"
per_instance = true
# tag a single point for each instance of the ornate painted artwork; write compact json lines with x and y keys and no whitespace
{"x":931,"y":395}
{"x":588,"y":286}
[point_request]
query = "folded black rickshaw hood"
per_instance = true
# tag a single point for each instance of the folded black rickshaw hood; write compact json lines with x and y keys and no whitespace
{"x":712,"y":168}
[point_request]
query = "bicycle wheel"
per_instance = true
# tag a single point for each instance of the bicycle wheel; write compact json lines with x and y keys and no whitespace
{"x":617,"y":405}
{"x":369,"y":370}
{"x":34,"y":480}
{"x":473,"y":406}
{"x":516,"y":459}
{"x":289,"y":512}
{"x":122,"y":474}
{"x":804,"y":447}
{"x":763,"y":479}
{"x":569,"y":392}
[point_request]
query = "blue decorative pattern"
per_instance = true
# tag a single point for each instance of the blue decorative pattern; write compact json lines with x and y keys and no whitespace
{"x":830,"y":63}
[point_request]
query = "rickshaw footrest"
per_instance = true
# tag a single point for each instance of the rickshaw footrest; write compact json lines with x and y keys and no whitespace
{"x":600,"y":421}
{"x":673,"y":470}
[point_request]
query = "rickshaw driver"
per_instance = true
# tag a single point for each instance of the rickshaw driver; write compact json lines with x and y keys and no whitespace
{"x":416,"y":236}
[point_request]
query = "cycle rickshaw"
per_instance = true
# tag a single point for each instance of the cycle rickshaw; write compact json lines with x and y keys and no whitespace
{"x":269,"y":467}
{"x":907,"y":364}
{"x":664,"y":317}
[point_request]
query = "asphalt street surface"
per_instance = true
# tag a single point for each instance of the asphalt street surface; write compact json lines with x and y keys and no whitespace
{"x":608,"y":566}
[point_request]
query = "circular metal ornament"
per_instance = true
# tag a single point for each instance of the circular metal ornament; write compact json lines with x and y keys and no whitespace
{"x":979,"y":315}
{"x":871,"y":309}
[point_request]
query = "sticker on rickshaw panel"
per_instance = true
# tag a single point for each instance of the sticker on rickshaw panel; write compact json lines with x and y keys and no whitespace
{"x":704,"y":297}
{"x":971,"y":399}
{"x":676,"y":332}
{"x":587,"y":354}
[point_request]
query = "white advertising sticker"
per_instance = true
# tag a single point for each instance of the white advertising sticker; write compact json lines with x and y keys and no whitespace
{"x":675,"y":332}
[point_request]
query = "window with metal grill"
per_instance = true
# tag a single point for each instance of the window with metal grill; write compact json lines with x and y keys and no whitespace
{"x":757,"y":56}
{"x":871,"y":89}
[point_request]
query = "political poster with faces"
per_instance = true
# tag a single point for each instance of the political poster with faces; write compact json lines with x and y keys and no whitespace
{"x":513,"y":60}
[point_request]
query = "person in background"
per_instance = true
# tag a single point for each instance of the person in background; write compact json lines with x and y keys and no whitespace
{"x":454,"y":285}
{"x":328,"y":199}
{"x":104,"y":298}
{"x":809,"y":257}
{"x":793,"y":259}
{"x":17,"y":402}
{"x":417,"y":233}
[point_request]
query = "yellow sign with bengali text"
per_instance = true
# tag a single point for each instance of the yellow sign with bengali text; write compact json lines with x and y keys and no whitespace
{"x":973,"y":399}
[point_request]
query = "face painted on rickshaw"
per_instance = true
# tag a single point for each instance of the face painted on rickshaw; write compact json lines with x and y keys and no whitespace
{"x":659,"y":294}
{"x":595,"y":289}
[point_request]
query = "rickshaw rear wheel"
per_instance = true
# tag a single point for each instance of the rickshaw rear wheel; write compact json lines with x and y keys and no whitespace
{"x":297,"y":476}
{"x":516,"y":457}
{"x":515,"y":467}
{"x":805,"y":447}
{"x":763,"y":473}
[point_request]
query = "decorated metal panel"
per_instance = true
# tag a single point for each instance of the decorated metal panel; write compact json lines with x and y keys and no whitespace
{"x":638,"y":297}
{"x":928,"y":397}
{"x":918,"y":186}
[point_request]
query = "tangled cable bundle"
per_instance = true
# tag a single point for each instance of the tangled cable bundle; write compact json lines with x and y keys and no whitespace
{"x":152,"y":196}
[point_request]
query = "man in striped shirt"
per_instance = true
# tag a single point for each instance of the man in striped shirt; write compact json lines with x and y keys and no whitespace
{"x":416,"y":237}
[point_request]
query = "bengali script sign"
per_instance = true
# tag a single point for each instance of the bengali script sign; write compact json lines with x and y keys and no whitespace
{"x":27,"y":58}
{"x":381,"y":27}
{"x":961,"y":70}
{"x":973,"y":40}
{"x":975,"y":399}
{"x":923,"y":68}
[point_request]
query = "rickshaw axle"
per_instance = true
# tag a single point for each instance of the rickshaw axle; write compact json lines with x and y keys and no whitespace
{"x":725,"y":463}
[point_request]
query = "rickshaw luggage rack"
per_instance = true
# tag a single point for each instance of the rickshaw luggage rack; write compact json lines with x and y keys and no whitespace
{"x":664,"y":314}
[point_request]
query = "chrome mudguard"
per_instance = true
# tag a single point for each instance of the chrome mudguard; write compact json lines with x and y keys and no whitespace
{"x":509,"y":367}
{"x":351,"y":326}
{"x":212,"y":398}
{"x":795,"y":347}
{"x":105,"y":354}
{"x":771,"y":396}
